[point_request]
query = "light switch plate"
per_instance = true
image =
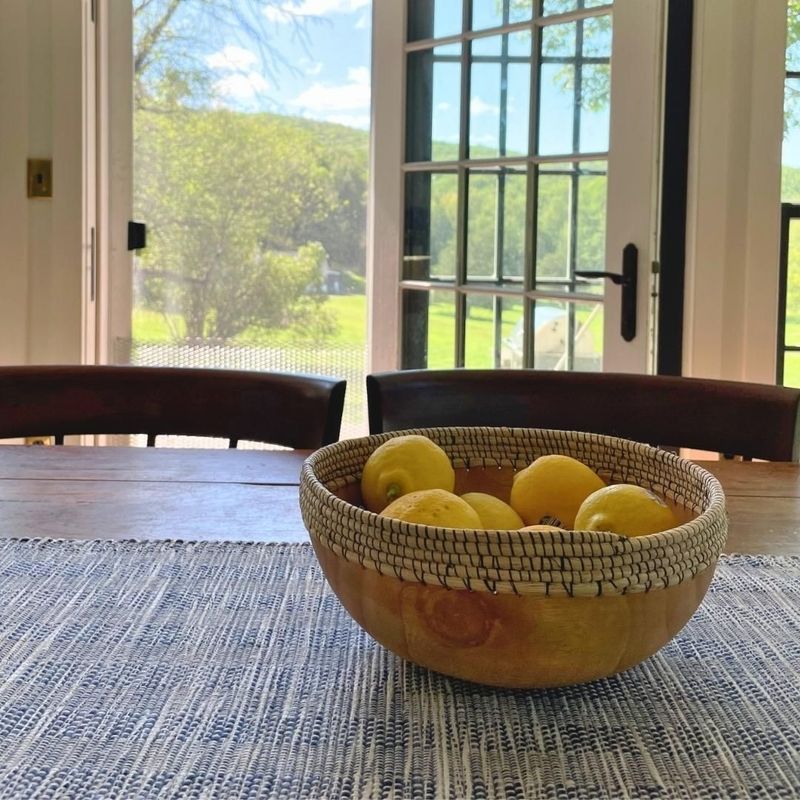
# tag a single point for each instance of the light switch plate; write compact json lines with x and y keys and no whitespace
{"x":40,"y":177}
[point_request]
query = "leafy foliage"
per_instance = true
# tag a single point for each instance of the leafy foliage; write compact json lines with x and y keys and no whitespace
{"x":232,"y":197}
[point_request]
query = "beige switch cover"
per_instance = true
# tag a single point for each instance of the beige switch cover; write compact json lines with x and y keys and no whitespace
{"x":40,"y":177}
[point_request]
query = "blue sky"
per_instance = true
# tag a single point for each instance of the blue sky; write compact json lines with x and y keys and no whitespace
{"x":331,"y":81}
{"x":331,"y":75}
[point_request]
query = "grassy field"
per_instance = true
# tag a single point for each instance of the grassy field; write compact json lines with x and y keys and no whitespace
{"x":350,"y":314}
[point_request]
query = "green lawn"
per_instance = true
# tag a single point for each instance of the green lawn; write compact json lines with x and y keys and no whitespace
{"x":349,"y":311}
{"x":350,"y":314}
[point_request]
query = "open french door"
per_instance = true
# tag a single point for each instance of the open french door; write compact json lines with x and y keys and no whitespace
{"x":514,"y":173}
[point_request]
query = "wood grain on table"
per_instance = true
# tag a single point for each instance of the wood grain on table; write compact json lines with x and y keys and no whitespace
{"x":252,"y":495}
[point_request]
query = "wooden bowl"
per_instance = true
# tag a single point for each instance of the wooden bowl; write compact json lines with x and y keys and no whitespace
{"x":516,"y":608}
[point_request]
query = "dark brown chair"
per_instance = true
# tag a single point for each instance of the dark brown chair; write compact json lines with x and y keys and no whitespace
{"x":300,"y":411}
{"x":729,"y":417}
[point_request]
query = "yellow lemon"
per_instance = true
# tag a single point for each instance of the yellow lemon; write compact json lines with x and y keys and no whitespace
{"x":541,"y":528}
{"x":402,"y":465}
{"x":626,"y":509}
{"x":493,"y":512}
{"x":433,"y":507}
{"x":552,"y":489}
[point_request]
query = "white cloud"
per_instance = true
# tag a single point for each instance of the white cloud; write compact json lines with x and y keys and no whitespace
{"x":233,"y":58}
{"x":239,"y":83}
{"x":364,"y":22}
{"x":478,"y":106}
{"x":312,"y":8}
{"x":241,"y":87}
{"x":443,"y":106}
{"x":351,"y":96}
{"x":359,"y":75}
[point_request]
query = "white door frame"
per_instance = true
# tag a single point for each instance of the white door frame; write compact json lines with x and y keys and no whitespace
{"x":114,"y":176}
{"x":733,"y":213}
{"x":385,"y":210}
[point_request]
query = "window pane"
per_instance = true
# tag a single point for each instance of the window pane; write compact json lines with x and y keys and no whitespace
{"x":595,"y":110}
{"x":500,"y":95}
{"x":595,"y":88}
{"x":597,"y":37}
{"x":575,"y":91}
{"x":563,"y":6}
{"x":484,"y":111}
{"x":496,"y":225}
{"x":791,"y":369}
{"x":429,"y":330}
{"x":500,"y":12}
{"x":556,"y":109}
{"x":567,"y":336}
{"x":433,"y":104}
{"x":430,"y":234}
{"x":558,"y":41}
{"x":481,"y":226}
{"x":571,"y":223}
{"x":588,"y":337}
{"x":790,"y":159}
{"x":590,"y":243}
{"x":428,"y":19}
{"x":490,"y":326}
{"x":793,"y":285}
{"x":553,"y":225}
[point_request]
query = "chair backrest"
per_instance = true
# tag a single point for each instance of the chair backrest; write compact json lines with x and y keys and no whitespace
{"x":301,"y":411}
{"x":729,"y":417}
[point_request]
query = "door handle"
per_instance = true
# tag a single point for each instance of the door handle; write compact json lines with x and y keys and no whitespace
{"x":137,"y":235}
{"x":628,"y":281}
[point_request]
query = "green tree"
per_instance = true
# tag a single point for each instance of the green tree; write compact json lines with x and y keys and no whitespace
{"x":244,"y":210}
{"x":227,"y":194}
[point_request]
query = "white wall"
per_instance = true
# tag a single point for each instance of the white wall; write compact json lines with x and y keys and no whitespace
{"x":41,"y":240}
{"x":734,"y":189}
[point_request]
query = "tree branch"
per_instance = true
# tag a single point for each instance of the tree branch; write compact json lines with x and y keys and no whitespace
{"x":150,"y":39}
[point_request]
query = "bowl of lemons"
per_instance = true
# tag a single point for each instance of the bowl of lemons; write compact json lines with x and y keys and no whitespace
{"x":514,"y":557}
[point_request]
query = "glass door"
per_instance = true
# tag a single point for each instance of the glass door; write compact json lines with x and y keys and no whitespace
{"x":528,"y":159}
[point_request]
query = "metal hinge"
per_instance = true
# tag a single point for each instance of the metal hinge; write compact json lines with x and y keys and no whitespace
{"x":92,"y":7}
{"x":655,"y":267}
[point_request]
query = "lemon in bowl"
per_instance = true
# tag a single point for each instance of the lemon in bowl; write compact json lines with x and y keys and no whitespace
{"x":433,"y":507}
{"x":404,"y":464}
{"x":552,"y":488}
{"x":624,"y":508}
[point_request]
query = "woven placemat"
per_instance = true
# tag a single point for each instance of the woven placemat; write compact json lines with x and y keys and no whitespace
{"x":174,"y":670}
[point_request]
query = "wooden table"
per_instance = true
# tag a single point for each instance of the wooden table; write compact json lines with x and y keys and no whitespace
{"x":150,"y":493}
{"x":250,"y":495}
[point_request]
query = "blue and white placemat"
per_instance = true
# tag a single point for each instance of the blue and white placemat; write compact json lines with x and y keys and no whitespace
{"x":170,"y":670}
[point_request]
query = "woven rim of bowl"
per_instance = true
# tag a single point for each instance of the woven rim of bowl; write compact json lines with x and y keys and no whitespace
{"x":520,"y":562}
